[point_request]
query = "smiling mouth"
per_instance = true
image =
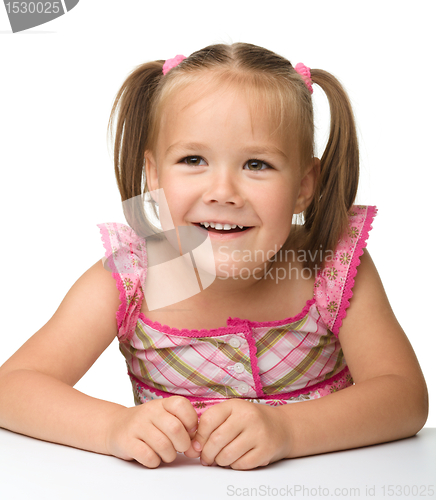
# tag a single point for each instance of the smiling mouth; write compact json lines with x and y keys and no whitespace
{"x":210,"y":229}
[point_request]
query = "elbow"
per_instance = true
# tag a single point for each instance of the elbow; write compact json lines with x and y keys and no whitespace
{"x":419,"y":408}
{"x":425,"y":407}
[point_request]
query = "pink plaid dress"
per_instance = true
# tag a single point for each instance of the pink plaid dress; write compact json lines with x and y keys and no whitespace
{"x":273,"y":362}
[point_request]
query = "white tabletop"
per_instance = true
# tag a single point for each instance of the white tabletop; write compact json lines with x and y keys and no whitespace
{"x":34,"y":469}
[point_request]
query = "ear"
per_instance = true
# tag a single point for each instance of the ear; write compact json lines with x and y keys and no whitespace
{"x":308,"y":185}
{"x":151,"y":173}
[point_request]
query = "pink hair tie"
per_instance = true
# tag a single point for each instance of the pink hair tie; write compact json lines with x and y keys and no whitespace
{"x":172,"y":63}
{"x":304,"y":72}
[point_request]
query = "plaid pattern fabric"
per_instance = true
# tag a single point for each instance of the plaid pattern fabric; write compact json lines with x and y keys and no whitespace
{"x":272,"y":363}
{"x":286,"y":358}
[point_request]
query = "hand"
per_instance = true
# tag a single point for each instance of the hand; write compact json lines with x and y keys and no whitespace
{"x":243,"y":435}
{"x":153,"y":431}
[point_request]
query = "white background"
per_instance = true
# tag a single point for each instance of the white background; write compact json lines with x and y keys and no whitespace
{"x":57,"y":85}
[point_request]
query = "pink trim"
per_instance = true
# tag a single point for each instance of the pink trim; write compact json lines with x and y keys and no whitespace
{"x":123,"y":309}
{"x":253,"y":360}
{"x":123,"y":305}
{"x":136,"y":311}
{"x":282,"y":322}
{"x":140,"y":290}
{"x":355,"y":261}
{"x":184,"y":332}
{"x":234,"y":324}
{"x":284,"y":396}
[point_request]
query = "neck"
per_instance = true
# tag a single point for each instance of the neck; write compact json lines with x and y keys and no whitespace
{"x":234,"y":285}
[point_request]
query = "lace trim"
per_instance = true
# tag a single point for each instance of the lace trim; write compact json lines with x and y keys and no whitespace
{"x":235,"y":324}
{"x":292,"y":319}
{"x":184,"y":332}
{"x":128,"y":240}
{"x":355,"y":261}
{"x":123,"y":305}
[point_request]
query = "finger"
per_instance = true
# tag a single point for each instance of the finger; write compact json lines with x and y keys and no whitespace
{"x":210,"y":420}
{"x":191,"y":453}
{"x":144,"y":454}
{"x":221,"y":439}
{"x":181,"y":408}
{"x":192,"y":432}
{"x":250,"y":460}
{"x":235,"y":450}
{"x":174,"y":432}
{"x":160,"y":441}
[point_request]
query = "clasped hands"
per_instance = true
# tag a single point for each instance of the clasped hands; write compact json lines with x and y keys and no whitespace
{"x":241,"y":434}
{"x":235,"y":433}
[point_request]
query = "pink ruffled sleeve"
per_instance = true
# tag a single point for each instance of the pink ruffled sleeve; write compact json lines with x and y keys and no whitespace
{"x":334,"y":285}
{"x":127,"y":259}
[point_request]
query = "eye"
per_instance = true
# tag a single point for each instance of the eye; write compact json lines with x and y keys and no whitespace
{"x":256,"y":165}
{"x":193,"y":161}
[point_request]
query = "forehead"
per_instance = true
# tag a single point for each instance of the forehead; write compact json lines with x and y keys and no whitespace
{"x":202,"y":104}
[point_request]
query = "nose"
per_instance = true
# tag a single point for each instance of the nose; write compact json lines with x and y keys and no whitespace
{"x":223,"y":189}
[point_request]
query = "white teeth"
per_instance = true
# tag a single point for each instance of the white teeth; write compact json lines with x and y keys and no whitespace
{"x":219,"y":226}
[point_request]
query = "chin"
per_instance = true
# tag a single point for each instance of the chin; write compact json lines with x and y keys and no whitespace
{"x":230,"y":269}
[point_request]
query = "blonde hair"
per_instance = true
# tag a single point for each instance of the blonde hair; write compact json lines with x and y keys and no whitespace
{"x":269,"y":80}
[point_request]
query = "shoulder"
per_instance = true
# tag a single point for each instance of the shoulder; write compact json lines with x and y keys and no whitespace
{"x":95,"y":295}
{"x":87,"y":313}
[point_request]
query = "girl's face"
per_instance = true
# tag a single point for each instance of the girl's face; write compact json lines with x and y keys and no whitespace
{"x":217,"y":165}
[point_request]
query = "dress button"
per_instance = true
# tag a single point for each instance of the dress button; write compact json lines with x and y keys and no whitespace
{"x":235,"y":342}
{"x":239,"y":368}
{"x":243,"y":388}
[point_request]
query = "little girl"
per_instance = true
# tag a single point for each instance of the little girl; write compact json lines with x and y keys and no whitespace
{"x":250,"y":335}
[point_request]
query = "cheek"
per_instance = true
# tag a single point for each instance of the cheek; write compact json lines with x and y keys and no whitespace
{"x":174,"y":195}
{"x":168,"y":206}
{"x":277,"y":206}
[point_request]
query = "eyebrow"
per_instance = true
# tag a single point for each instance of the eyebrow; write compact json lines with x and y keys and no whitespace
{"x":257,"y":150}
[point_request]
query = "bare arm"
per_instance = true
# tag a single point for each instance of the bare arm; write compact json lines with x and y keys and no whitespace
{"x":37,"y":397}
{"x":389,"y":400}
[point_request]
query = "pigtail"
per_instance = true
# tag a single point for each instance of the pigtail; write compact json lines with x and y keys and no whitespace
{"x":132,"y":111}
{"x":327,"y":216}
